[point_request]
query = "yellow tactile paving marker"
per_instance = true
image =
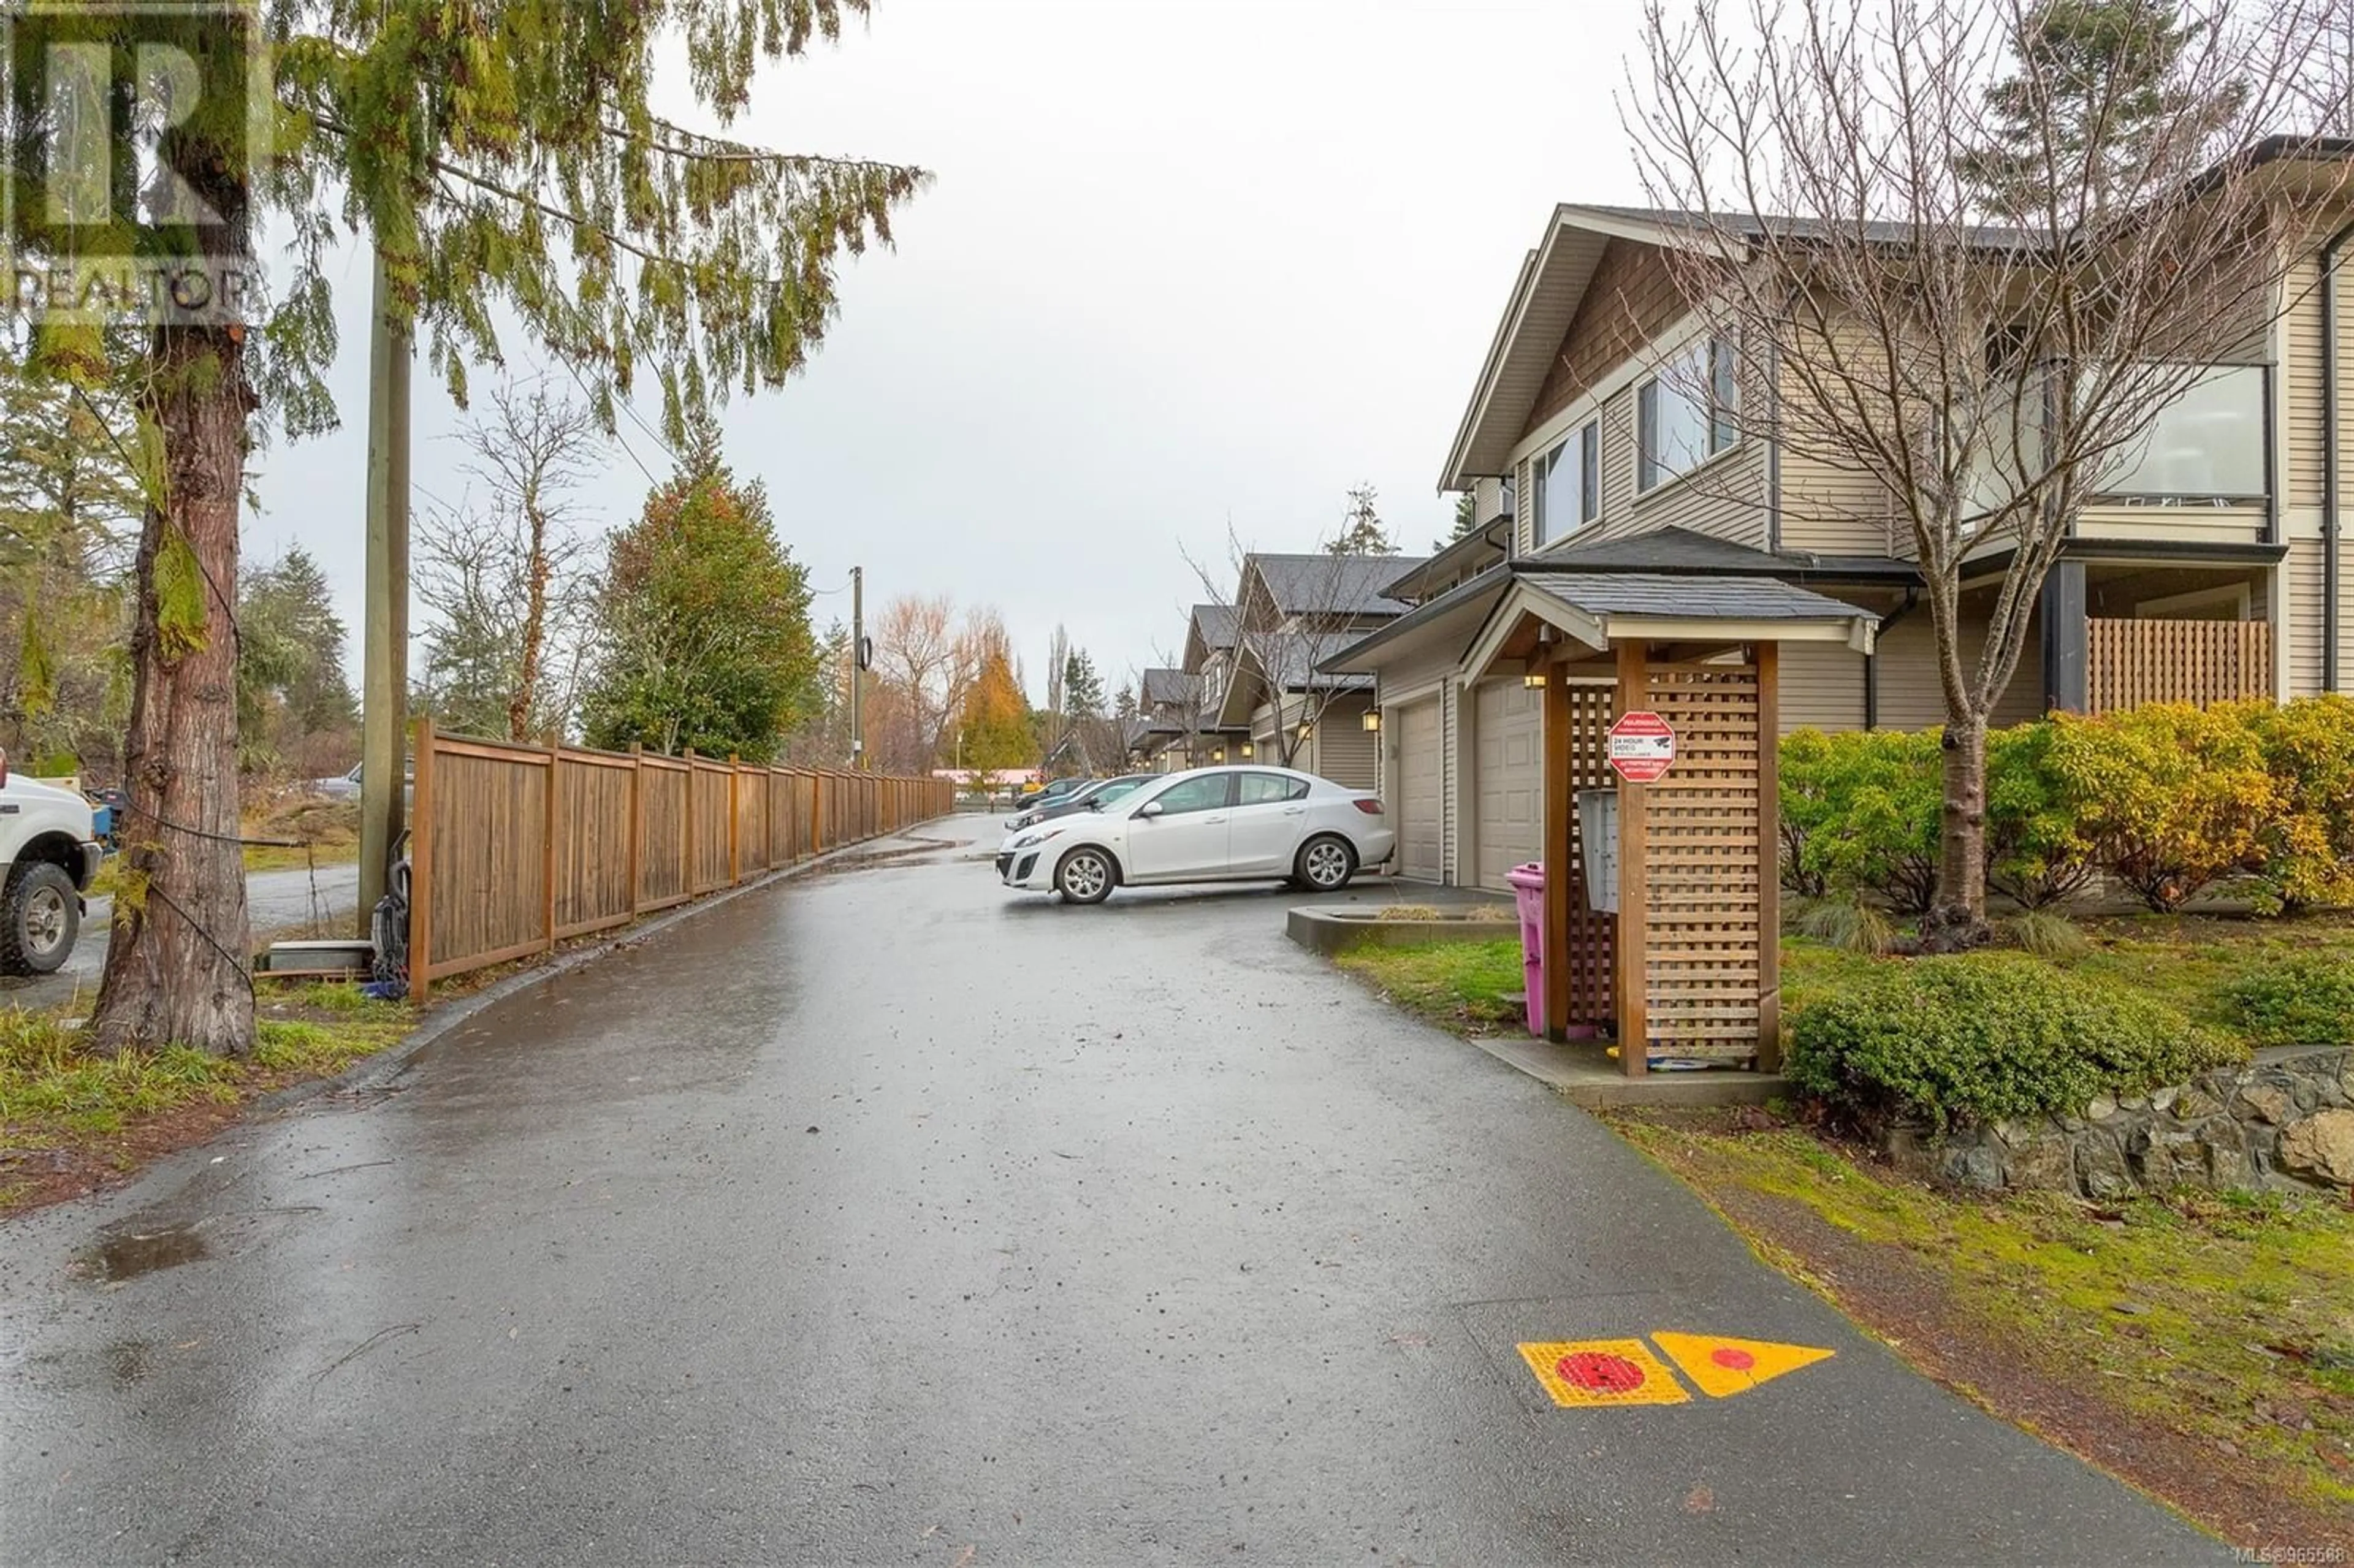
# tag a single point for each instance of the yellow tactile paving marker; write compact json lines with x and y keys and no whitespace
{"x":1722,"y":1367}
{"x":1583,"y":1374}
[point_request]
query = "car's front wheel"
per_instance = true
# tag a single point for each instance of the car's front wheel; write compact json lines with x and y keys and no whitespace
{"x":1325,"y":863}
{"x":1086,"y":875}
{"x":39,"y":919}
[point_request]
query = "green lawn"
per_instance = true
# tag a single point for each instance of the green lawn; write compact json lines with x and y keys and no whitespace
{"x":1472,"y":988}
{"x":2224,"y":1322}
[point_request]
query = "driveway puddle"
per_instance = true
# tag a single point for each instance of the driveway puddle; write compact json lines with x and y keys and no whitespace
{"x":132,"y":1255}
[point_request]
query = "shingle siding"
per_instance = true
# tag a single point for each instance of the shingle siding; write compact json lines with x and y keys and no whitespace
{"x":1630,"y":300}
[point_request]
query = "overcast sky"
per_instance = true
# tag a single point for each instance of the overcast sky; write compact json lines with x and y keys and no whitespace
{"x":1182,"y":262}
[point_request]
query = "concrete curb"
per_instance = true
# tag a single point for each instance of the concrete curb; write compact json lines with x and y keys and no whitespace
{"x":374,"y":1072}
{"x":1333,"y":931}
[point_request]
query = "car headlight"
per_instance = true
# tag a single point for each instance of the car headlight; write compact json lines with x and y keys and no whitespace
{"x":1030,"y":841}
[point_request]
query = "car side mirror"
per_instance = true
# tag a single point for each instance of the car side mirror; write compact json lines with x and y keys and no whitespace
{"x":1150,"y":808}
{"x":1094,"y":805}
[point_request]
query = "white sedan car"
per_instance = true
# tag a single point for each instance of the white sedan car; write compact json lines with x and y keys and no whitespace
{"x":1211,"y":824}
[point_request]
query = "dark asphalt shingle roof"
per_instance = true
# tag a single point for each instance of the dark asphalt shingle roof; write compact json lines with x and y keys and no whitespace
{"x":1677,"y":550}
{"x":1166,"y":686}
{"x":1215,"y":622}
{"x":1690,"y":598}
{"x":1333,"y":585}
{"x":1877,"y":231}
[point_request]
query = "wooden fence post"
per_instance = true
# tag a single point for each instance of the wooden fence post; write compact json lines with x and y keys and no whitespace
{"x":1633,"y":881}
{"x":637,"y":826}
{"x":1769,"y":857}
{"x":553,"y":803}
{"x":735,"y":820}
{"x":420,"y":870}
{"x":689,"y":830}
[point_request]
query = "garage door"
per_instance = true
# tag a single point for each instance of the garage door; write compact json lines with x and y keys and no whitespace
{"x":1418,"y":804}
{"x":1510,"y":777}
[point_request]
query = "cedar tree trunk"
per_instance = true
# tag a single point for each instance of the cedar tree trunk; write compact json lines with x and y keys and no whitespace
{"x":176,"y":965}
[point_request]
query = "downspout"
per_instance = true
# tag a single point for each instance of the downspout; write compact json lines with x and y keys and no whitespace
{"x":1872,"y":660}
{"x":1774,"y":452}
{"x":2329,"y":456}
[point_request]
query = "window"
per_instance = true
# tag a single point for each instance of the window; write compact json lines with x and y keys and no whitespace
{"x":1206,"y":793}
{"x":1271,"y":789}
{"x":1676,"y":430}
{"x":1566,"y":483}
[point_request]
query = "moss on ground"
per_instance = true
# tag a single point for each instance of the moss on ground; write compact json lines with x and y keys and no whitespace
{"x":56,"y":1092}
{"x":2227,"y":1320}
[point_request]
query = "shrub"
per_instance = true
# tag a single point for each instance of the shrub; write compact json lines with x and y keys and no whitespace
{"x":2307,"y":855}
{"x":1987,"y":1038}
{"x":2172,"y":796}
{"x":2044,"y":933}
{"x":2308,"y":999}
{"x":1866,"y":805}
{"x":2036,"y":851}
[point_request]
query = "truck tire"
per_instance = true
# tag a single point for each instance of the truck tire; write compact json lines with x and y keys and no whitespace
{"x":41,"y":919}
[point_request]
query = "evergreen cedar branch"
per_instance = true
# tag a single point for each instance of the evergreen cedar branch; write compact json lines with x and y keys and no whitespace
{"x":498,"y":156}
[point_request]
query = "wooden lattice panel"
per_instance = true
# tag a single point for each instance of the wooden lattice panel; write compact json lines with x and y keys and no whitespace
{"x":1593,"y":935}
{"x":1703,"y":942}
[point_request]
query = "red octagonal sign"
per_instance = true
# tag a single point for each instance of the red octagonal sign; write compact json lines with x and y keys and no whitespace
{"x":1642,"y":746}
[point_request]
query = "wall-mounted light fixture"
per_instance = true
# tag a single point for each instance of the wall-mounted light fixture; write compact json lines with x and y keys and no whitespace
{"x":1219,"y":755}
{"x":1534,"y":680}
{"x":1373,"y":721}
{"x":1306,"y":729}
{"x":1247,"y":751}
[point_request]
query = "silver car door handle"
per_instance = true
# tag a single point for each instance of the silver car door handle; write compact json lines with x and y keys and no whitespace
{"x":1295,"y":811}
{"x":1211,"y":822}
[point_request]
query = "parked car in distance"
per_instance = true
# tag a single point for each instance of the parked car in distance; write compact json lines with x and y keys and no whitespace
{"x":48,"y":853}
{"x":346,"y":786}
{"x":1209,"y":824}
{"x":1051,"y":792}
{"x":1094,"y":794}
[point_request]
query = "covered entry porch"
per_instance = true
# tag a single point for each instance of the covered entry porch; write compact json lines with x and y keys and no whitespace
{"x":1687,"y":967}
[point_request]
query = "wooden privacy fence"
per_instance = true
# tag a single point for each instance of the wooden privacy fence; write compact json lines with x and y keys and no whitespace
{"x":2129,"y":662}
{"x":516,"y":848}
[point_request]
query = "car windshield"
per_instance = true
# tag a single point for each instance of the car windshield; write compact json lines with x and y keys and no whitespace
{"x":1117,"y":789}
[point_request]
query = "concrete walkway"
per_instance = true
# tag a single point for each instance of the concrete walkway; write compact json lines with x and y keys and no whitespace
{"x":890,"y":1217}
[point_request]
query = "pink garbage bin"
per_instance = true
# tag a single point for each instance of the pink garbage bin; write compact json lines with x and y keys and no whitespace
{"x":1527,"y":893}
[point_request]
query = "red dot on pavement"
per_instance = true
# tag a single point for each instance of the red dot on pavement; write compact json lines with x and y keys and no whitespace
{"x":1732,"y":1360}
{"x":1599,"y":1374}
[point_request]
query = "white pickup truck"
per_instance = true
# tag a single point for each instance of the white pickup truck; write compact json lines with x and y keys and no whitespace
{"x":49,"y":854}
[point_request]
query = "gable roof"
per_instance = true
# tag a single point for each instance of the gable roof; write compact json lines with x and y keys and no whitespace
{"x":1162,"y":687}
{"x":1466,"y":556}
{"x":1215,"y":624}
{"x":1677,"y":550}
{"x":1606,"y":594}
{"x":1323,"y":584}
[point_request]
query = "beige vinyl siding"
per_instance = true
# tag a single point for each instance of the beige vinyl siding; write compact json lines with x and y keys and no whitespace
{"x":1617,"y":466}
{"x":1450,"y":728}
{"x":2305,"y":628}
{"x":1821,"y":686}
{"x":1523,"y":511}
{"x":2301,"y":393}
{"x":1911,"y":696}
{"x":1724,"y":497}
{"x":1344,"y":753}
{"x":1833,"y":511}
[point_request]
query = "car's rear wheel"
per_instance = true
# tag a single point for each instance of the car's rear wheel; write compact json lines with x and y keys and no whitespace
{"x":1325,"y":863}
{"x":39,"y":919}
{"x":1086,"y":875}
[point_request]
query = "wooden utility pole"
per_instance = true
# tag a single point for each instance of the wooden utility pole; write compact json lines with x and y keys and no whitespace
{"x":858,"y":662}
{"x":384,"y":684}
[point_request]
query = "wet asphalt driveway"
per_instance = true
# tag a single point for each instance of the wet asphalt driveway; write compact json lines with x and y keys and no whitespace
{"x":888,"y":1217}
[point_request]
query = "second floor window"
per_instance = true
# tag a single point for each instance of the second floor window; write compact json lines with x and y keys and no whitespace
{"x":1684,"y":416}
{"x":1566,"y":484}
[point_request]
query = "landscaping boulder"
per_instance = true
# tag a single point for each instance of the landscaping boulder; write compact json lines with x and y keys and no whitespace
{"x":2321,"y":1148}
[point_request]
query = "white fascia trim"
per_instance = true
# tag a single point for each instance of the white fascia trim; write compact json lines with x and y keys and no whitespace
{"x":1857,"y":631}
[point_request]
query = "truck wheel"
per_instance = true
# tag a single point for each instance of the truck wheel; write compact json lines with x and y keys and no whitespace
{"x":40,"y":917}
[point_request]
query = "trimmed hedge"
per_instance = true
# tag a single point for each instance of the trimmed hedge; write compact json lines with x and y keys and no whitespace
{"x":2168,"y":798}
{"x":1989,"y":1037}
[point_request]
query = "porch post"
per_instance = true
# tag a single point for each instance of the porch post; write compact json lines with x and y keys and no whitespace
{"x":2066,"y":680}
{"x":1633,"y":985}
{"x":1559,"y":804}
{"x":1770,"y":858}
